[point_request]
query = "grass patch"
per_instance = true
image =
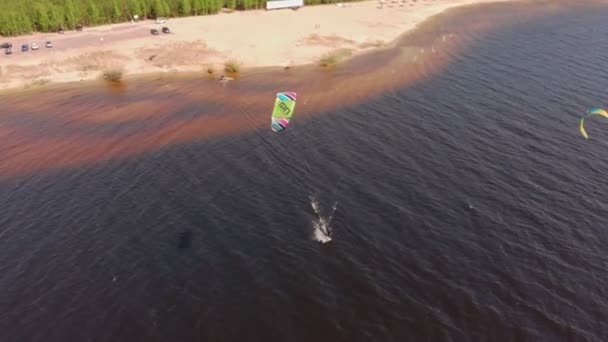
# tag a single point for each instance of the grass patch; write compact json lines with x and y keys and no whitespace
{"x":328,"y":61}
{"x":37,"y":83}
{"x":374,"y":44}
{"x":113,"y":75}
{"x":41,"y":82}
{"x":333,"y":58}
{"x":232,"y":67}
{"x":88,"y":67}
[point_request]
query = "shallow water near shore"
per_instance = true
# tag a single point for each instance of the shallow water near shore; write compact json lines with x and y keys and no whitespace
{"x":461,"y":201}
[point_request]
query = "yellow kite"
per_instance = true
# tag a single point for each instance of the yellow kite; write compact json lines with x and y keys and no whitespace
{"x":592,"y":111}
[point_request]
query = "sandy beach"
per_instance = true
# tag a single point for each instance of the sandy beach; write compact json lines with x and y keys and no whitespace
{"x":205,"y":43}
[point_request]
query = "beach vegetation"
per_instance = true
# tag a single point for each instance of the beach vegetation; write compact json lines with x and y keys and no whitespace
{"x":372,"y":44}
{"x":88,"y":67}
{"x":232,"y":67}
{"x":37,"y":83}
{"x":250,"y":4}
{"x":26,"y":16}
{"x":327,"y":61}
{"x":112,"y":75}
{"x":331,"y":59}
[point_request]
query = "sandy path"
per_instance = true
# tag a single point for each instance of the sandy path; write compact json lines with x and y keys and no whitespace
{"x":253,"y":38}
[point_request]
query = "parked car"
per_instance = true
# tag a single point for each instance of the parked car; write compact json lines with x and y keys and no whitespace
{"x":6,"y":45}
{"x":8,"y":51}
{"x":154,"y":32}
{"x":160,"y":21}
{"x":49,"y":44}
{"x":25,"y":48}
{"x":34,"y":46}
{"x":166,"y":30}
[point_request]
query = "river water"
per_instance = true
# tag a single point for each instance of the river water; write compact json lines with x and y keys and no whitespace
{"x":438,"y":190}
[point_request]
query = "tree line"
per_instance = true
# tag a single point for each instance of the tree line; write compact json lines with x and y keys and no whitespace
{"x":26,"y":16}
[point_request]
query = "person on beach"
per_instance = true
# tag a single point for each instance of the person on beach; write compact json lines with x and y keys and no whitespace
{"x":225,"y":78}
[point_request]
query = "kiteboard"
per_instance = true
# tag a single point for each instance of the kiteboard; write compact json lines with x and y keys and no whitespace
{"x":284,"y":106}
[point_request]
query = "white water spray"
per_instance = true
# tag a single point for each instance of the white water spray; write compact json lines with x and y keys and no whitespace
{"x":321,"y":225}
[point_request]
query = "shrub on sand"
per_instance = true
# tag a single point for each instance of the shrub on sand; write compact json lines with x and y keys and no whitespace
{"x":37,"y":83}
{"x":331,"y":59}
{"x":112,"y":75}
{"x":232,"y":67}
{"x":328,"y":60}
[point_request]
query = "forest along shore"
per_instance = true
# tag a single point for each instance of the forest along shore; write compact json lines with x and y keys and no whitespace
{"x":213,"y":44}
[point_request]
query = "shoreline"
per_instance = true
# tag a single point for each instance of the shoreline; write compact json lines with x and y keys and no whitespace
{"x":71,"y":125}
{"x":203,"y":44}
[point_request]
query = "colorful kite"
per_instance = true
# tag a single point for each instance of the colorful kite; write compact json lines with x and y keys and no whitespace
{"x":284,"y":106}
{"x":590,"y":112}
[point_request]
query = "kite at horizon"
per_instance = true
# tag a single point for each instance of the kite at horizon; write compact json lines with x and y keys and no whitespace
{"x":590,"y":112}
{"x":284,"y":106}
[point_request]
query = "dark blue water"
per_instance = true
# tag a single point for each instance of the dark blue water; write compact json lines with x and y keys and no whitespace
{"x":467,"y":208}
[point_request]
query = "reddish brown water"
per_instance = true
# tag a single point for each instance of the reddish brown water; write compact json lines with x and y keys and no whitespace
{"x":73,"y":124}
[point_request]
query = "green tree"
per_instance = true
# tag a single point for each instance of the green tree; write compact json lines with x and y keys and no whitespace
{"x":134,"y":8}
{"x":93,"y":13}
{"x":185,"y":8}
{"x":231,"y":4}
{"x":166,"y":9}
{"x":56,"y":17}
{"x":23,"y":16}
{"x":159,"y":8}
{"x":201,"y":6}
{"x":17,"y":22}
{"x":116,"y":12}
{"x":7,"y":27}
{"x":215,"y":6}
{"x":196,"y":7}
{"x":146,"y":8}
{"x":42,"y":21}
{"x":72,"y":14}
{"x":3,"y":20}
